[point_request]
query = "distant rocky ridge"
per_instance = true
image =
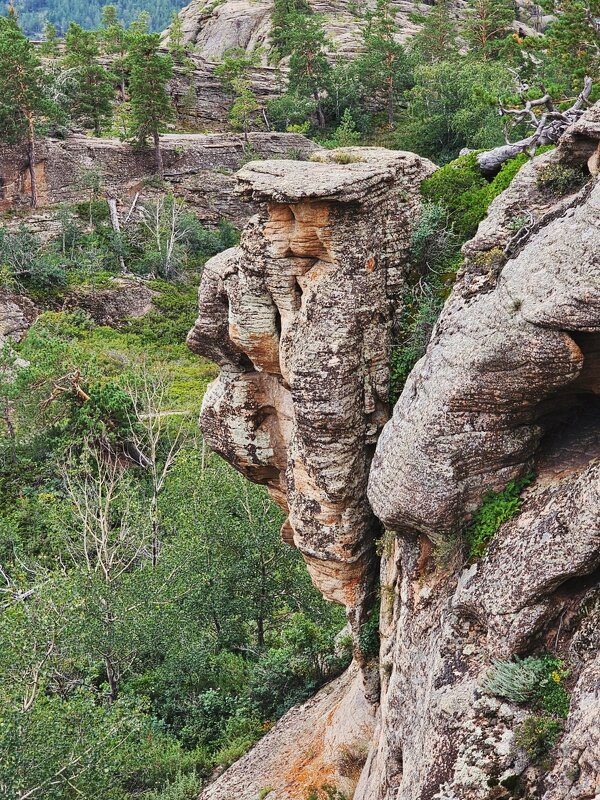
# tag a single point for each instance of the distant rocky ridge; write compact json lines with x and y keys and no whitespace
{"x":214,"y":26}
{"x":198,"y":168}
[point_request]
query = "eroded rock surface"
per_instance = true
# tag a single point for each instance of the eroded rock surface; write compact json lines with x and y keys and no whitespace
{"x":322,"y":741}
{"x":299,"y":318}
{"x":198,"y":168}
{"x":509,"y":383}
{"x":506,"y":354}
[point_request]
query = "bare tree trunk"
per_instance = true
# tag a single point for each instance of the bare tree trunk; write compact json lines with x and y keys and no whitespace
{"x":319,"y":110}
{"x":158,"y":156}
{"x":547,"y":128}
{"x":114,"y":220}
{"x":31,"y":157}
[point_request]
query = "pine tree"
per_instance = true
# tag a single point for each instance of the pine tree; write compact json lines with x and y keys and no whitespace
{"x":573,"y":42}
{"x":279,"y":36}
{"x":113,"y":38}
{"x":384,"y":65}
{"x":309,"y":67}
{"x":487,"y":24}
{"x":151,"y":106}
{"x":176,"y":45}
{"x":235,"y":74}
{"x":92,"y":94}
{"x":49,"y":46}
{"x":436,"y":41}
{"x":24,"y":98}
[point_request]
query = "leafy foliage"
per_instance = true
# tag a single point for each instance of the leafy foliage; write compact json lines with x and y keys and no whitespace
{"x":496,"y":508}
{"x":537,"y":735}
{"x":538,"y":680}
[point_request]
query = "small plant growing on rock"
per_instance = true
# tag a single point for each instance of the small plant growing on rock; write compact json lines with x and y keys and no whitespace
{"x":496,"y":508}
{"x":558,"y":179}
{"x":538,"y":680}
{"x":537,"y":735}
{"x":342,"y":157}
{"x":264,"y":792}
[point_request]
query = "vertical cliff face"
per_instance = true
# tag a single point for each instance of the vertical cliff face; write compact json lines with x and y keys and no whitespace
{"x":509,"y":384}
{"x":299,"y":318}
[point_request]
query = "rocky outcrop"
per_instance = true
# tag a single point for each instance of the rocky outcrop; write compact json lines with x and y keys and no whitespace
{"x":509,"y":383}
{"x":17,"y":314}
{"x":323,"y":742}
{"x":214,"y":27}
{"x":507,"y":356}
{"x":122,"y":299}
{"x":299,"y":319}
{"x":198,"y":168}
{"x":202,"y":102}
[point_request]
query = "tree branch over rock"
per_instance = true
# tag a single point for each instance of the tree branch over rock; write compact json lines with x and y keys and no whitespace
{"x":547,"y":127}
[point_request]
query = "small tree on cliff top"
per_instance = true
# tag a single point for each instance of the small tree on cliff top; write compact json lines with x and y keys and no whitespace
{"x":23,"y":92}
{"x":383,"y":67}
{"x":92,"y":93}
{"x":151,"y":106}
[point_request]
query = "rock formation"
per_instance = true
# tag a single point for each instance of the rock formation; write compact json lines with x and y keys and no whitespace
{"x":198,"y":168}
{"x":298,"y":318}
{"x":214,"y":27}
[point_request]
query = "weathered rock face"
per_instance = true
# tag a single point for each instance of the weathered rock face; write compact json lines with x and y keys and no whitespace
{"x":198,"y":168}
{"x":507,"y":354}
{"x":217,"y":27}
{"x":201,"y":101}
{"x":299,"y":318}
{"x":323,"y":741}
{"x":509,"y":382}
{"x":17,"y":314}
{"x":124,"y":298}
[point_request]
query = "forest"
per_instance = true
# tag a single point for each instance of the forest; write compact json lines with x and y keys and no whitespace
{"x":153,"y":624}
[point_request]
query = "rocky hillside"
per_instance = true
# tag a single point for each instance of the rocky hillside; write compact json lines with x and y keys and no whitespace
{"x":214,"y":27}
{"x":198,"y":169}
{"x":482,"y":489}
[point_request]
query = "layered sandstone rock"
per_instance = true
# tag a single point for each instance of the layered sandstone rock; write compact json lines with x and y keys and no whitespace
{"x":510,"y":382}
{"x":299,"y":319}
{"x":198,"y":168}
{"x":507,"y":354}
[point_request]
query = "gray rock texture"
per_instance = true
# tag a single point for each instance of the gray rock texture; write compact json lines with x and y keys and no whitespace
{"x":322,"y":741}
{"x":17,"y":314}
{"x":214,"y":27}
{"x":299,"y":318}
{"x":509,"y":383}
{"x":506,"y":353}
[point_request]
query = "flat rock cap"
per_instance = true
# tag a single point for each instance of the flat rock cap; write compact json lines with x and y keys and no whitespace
{"x":345,"y":175}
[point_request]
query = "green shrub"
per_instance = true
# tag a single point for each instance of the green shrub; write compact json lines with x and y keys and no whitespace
{"x":466,"y":194}
{"x":93,"y":211}
{"x":537,"y":735}
{"x":496,"y":508}
{"x":368,"y":637}
{"x":558,"y":179}
{"x":538,"y":680}
{"x":420,"y":315}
